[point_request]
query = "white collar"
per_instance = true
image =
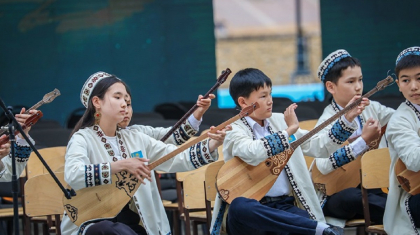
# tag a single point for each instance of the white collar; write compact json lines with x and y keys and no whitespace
{"x":252,"y":123}
{"x":416,"y":106}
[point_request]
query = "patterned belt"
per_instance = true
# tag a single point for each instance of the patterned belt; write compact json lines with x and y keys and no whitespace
{"x":266,"y":200}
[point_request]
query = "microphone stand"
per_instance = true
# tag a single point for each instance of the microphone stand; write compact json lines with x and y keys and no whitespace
{"x":14,"y":125}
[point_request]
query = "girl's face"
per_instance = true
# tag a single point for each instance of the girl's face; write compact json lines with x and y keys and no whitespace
{"x":409,"y":84}
{"x":114,"y":106}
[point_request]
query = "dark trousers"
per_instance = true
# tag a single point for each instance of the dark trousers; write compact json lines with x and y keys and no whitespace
{"x":347,"y":204}
{"x":248,"y":216}
{"x":414,"y":205}
{"x":126,"y":222}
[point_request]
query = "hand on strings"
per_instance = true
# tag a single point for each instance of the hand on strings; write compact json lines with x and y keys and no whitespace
{"x":371,"y":130}
{"x":356,"y":111}
{"x":291,"y":119}
{"x":203,"y":105}
{"x":21,"y":119}
{"x":4,"y":149}
{"x":216,"y":139}
{"x":135,"y":166}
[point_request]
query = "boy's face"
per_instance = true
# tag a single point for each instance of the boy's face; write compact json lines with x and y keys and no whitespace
{"x":264,"y":99}
{"x":348,"y":85}
{"x":409,"y":84}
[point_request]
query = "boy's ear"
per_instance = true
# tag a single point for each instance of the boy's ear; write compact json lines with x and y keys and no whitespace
{"x":398,"y":83}
{"x":242,"y":102}
{"x":330,"y":87}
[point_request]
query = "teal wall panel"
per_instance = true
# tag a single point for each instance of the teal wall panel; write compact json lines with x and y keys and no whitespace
{"x":374,"y":31}
{"x":164,"y":50}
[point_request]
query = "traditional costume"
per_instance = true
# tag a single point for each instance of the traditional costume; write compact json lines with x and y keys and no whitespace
{"x":244,"y":141}
{"x":90,"y":152}
{"x":347,"y":203}
{"x":402,"y":134}
{"x":22,"y":152}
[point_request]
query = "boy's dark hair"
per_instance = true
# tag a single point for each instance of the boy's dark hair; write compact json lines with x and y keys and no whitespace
{"x":335,"y":72}
{"x":246,"y":81}
{"x":409,"y":61}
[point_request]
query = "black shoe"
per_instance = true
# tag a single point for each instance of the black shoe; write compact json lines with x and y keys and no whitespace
{"x":333,"y":230}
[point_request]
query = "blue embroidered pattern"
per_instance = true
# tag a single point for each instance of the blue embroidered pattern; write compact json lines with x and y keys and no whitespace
{"x":408,"y":51}
{"x":340,"y":132}
{"x":341,"y":157}
{"x":275,"y":144}
{"x":89,"y":172}
{"x":96,"y":174}
{"x":219,"y":219}
{"x":199,"y":154}
{"x":22,"y":153}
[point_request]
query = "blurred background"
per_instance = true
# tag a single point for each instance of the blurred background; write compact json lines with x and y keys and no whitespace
{"x":170,"y":51}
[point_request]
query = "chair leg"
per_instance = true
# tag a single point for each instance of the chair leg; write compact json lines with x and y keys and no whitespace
{"x":195,"y":227}
{"x":187,"y":222}
{"x":360,"y":230}
{"x":26,"y":225}
{"x":176,"y":223}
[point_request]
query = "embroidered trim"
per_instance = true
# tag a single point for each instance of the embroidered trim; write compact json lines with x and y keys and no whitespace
{"x":330,"y":61}
{"x":22,"y":153}
{"x":89,"y":175}
{"x":409,"y":104}
{"x":298,"y":192}
{"x":108,"y":147}
{"x":342,"y":156}
{"x":407,"y":208}
{"x":340,"y":132}
{"x":200,"y":155}
{"x":184,"y":133}
{"x":275,"y":144}
{"x":217,"y":226}
{"x":406,"y":52}
{"x":250,"y":129}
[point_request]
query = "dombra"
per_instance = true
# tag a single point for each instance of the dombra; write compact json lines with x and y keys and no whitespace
{"x":238,"y":179}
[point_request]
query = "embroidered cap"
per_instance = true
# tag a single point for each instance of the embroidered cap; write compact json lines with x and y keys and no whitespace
{"x":330,"y":61}
{"x":90,"y":84}
{"x":408,"y":51}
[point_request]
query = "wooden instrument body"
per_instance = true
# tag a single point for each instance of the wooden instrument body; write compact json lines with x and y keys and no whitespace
{"x":409,"y":180}
{"x":347,"y":176}
{"x":238,"y":179}
{"x":344,"y":177}
{"x":104,"y":201}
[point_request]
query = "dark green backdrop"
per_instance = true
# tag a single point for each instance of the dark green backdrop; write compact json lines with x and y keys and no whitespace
{"x":374,"y":31}
{"x":164,"y":50}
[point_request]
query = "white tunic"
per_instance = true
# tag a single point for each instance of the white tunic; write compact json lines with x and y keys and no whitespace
{"x":403,"y":136}
{"x":347,"y":154}
{"x":87,"y":154}
{"x":242,"y":142}
{"x":22,"y":153}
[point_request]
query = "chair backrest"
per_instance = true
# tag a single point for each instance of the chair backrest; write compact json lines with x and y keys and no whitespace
{"x":375,"y":166}
{"x":43,"y":196}
{"x":53,"y":156}
{"x":210,"y":180}
{"x":194,"y":197}
{"x":308,"y":124}
{"x":374,"y":173}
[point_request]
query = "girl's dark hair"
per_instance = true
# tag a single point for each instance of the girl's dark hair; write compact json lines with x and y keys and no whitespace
{"x":246,"y":81}
{"x":335,"y":72}
{"x":409,"y":61}
{"x":100,"y":89}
